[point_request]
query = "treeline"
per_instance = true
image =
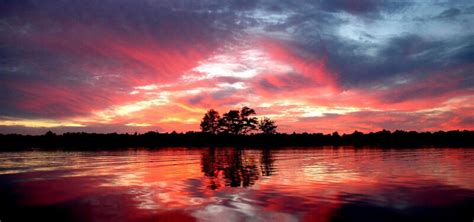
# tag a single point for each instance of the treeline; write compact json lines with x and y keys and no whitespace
{"x":382,"y":139}
{"x":236,"y":122}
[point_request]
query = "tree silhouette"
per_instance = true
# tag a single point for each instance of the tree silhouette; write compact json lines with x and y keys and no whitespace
{"x":238,"y":122}
{"x":267,"y":126}
{"x":210,"y":122}
{"x":230,"y":122}
{"x":248,"y":123}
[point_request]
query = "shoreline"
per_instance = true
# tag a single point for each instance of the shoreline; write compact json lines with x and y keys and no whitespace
{"x":380,"y":139}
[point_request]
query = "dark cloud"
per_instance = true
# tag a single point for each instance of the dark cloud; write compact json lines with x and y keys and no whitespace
{"x":132,"y":20}
{"x":467,"y":121}
{"x":469,"y":10}
{"x":243,"y":4}
{"x":355,"y":7}
{"x":436,"y":87}
{"x":266,"y":85}
{"x":372,"y":59}
{"x":399,"y":56}
{"x":449,"y":13}
{"x":67,"y":58}
{"x":466,"y":53}
{"x":365,"y":8}
{"x":97,"y":49}
{"x":224,"y":93}
{"x":195,"y":100}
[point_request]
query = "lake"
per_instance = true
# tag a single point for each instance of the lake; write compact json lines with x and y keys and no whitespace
{"x":229,"y":184}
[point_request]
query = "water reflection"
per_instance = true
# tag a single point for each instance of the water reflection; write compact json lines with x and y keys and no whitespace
{"x":232,"y":184}
{"x":237,"y":167}
{"x":266,"y":164}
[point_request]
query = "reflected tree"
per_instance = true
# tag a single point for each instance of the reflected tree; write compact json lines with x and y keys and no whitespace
{"x":210,"y":168}
{"x":266,"y":162}
{"x":237,"y":168}
{"x":241,"y":171}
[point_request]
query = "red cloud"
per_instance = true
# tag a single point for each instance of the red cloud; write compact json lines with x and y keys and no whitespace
{"x":304,"y":95}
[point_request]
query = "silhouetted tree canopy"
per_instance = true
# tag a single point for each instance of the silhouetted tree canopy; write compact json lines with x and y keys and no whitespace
{"x":210,"y":122}
{"x":230,"y":122}
{"x":233,"y":122}
{"x":248,"y":122}
{"x":267,"y":126}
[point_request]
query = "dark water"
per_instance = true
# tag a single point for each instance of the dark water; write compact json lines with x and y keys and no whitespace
{"x":320,"y":184}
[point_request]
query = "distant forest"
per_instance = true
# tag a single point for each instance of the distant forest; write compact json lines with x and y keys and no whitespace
{"x":237,"y":128}
{"x":381,"y":139}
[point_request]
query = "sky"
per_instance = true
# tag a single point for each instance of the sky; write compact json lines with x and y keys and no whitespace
{"x":312,"y":66}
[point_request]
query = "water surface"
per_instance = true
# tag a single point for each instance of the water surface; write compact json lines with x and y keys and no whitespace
{"x":228,"y":184}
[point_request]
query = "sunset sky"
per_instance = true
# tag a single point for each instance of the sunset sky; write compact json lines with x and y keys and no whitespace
{"x":315,"y":66}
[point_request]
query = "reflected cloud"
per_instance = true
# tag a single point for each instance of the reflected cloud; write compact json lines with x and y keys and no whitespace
{"x":222,"y":183}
